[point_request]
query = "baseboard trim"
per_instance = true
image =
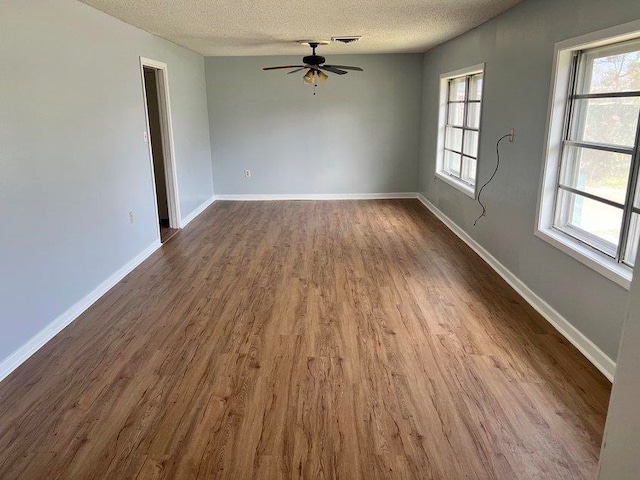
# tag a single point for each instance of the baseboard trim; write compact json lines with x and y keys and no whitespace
{"x":203,"y":206}
{"x":596,"y":356}
{"x":14,"y":360}
{"x":317,"y":196}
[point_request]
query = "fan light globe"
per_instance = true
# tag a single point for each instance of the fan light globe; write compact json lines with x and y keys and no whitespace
{"x":322,"y":76}
{"x":308,"y":77}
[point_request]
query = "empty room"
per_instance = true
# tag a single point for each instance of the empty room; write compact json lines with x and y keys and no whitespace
{"x":375,"y":239}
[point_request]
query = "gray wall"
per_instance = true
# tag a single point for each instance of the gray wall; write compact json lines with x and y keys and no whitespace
{"x":518,"y":49}
{"x":359,"y":134}
{"x":73,"y":161}
{"x":620,"y":456}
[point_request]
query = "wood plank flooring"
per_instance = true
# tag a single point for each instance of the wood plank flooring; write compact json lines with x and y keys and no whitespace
{"x":268,"y":340}
{"x":166,"y":232}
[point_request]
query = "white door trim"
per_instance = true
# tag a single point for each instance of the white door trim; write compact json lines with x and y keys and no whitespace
{"x":168,"y":151}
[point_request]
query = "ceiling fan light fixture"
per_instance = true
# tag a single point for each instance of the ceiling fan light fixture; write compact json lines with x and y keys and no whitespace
{"x":308,"y":77}
{"x":315,"y":64}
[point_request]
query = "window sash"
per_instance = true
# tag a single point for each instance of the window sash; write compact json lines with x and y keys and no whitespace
{"x":583,"y":96}
{"x":578,"y":77}
{"x":464,"y":128}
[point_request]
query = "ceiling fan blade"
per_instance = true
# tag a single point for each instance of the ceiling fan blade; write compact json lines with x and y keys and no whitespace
{"x":283,"y":66}
{"x":344,"y":67}
{"x":296,"y":70}
{"x":331,"y":69}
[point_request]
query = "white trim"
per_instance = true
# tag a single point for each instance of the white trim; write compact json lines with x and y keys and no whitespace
{"x":558,"y":101}
{"x":198,"y":210}
{"x":604,"y":265}
{"x":14,"y":360}
{"x":596,"y":356}
{"x":468,"y":190}
{"x":479,"y":68}
{"x":618,"y":33}
{"x":168,"y":150}
{"x":318,"y":196}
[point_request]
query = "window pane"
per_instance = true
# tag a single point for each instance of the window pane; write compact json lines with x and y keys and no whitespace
{"x":598,"y":172}
{"x":470,"y":143}
{"x":475,"y":87}
{"x":457,"y":88}
{"x":593,"y":222}
{"x":456,"y":114}
{"x":469,"y":166}
{"x":473,"y":115}
{"x":453,"y":139}
{"x":613,"y":68}
{"x":611,"y":121}
{"x":452,"y":163}
{"x":632,"y":240}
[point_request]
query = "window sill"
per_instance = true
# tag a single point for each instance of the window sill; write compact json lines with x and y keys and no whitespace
{"x":604,"y":265}
{"x":463,"y":187}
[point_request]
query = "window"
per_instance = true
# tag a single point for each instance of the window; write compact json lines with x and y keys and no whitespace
{"x":591,"y":195}
{"x":459,"y":132}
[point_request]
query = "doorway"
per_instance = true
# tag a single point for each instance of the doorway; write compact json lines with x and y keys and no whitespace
{"x":156,"y":93}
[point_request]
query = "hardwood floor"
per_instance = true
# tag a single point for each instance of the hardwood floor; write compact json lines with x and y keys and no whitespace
{"x":351,"y":339}
{"x":166,"y":232}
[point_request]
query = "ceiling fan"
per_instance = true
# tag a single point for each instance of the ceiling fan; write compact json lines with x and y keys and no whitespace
{"x":315,"y":66}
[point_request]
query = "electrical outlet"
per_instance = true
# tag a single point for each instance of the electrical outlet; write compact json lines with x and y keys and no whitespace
{"x":512,"y":134}
{"x":131,"y":216}
{"x":145,"y":136}
{"x":247,"y":174}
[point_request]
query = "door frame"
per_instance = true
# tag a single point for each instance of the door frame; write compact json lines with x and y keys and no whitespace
{"x":166,"y":126}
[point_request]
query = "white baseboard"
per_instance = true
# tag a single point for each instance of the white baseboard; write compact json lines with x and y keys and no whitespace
{"x":596,"y":356}
{"x":14,"y":360}
{"x":197,"y":211}
{"x":318,"y":196}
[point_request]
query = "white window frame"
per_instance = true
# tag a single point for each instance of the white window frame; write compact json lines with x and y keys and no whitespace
{"x":464,"y":187}
{"x":558,"y":103}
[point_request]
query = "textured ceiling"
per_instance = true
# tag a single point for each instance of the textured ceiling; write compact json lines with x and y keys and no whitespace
{"x":271,"y":27}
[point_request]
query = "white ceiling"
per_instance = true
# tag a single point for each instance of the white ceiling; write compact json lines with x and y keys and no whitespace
{"x":271,"y":27}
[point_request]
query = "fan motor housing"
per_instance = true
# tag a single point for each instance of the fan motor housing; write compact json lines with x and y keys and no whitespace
{"x":314,"y":60}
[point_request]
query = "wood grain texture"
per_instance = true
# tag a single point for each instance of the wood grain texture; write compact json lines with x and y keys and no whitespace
{"x":167,"y":233}
{"x":346,"y":339}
